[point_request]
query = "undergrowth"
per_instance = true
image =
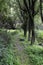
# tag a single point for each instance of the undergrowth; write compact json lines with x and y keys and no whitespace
{"x":8,"y":52}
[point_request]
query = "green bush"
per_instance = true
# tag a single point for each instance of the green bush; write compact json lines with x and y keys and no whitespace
{"x":4,"y":36}
{"x":7,"y":53}
{"x":39,"y":36}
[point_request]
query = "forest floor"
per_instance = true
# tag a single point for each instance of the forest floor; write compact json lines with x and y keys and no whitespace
{"x":25,"y":53}
{"x":20,"y":49}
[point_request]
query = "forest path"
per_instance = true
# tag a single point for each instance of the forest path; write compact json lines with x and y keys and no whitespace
{"x":20,"y":50}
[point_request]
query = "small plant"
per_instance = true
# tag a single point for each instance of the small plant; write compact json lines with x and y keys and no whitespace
{"x":35,"y":55}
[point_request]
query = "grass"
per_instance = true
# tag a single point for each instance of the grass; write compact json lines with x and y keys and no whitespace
{"x":35,"y":54}
{"x":7,"y":53}
{"x":10,"y":55}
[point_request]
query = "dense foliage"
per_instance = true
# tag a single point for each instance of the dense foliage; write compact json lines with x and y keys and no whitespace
{"x":21,"y":32}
